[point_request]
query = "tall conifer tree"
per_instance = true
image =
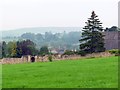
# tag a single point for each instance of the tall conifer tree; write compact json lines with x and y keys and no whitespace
{"x":92,"y":38}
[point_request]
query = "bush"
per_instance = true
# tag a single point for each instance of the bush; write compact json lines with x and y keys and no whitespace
{"x":68,"y":52}
{"x":115,"y":51}
{"x":82,"y":53}
{"x":50,"y":58}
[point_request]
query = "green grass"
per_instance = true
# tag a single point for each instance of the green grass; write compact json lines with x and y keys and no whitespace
{"x":89,"y":73}
{"x":0,"y":76}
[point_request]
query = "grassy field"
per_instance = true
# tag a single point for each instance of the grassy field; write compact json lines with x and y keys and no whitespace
{"x":86,"y":73}
{"x":0,"y":76}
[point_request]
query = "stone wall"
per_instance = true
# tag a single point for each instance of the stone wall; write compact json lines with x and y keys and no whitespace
{"x":27,"y":59}
{"x":12,"y":60}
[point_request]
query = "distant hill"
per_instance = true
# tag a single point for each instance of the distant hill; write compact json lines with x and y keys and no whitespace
{"x":19,"y":32}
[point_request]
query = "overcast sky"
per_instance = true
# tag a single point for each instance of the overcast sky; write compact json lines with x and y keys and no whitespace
{"x":55,"y":13}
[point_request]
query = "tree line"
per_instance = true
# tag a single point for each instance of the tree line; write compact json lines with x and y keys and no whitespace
{"x":69,"y":41}
{"x":21,"y":48}
{"x":55,"y":40}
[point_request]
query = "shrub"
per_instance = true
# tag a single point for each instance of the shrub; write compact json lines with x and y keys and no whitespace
{"x":50,"y":58}
{"x":68,"y":52}
{"x":82,"y":53}
{"x":115,"y":51}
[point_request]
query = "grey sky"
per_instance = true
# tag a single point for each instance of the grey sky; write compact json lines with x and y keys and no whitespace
{"x":55,"y":13}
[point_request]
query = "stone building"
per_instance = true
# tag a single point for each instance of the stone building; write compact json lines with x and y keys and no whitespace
{"x":112,"y":39}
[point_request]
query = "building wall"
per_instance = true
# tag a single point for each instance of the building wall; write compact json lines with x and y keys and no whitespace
{"x":111,"y":40}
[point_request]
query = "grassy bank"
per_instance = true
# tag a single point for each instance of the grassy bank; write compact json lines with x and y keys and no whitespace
{"x":86,"y":73}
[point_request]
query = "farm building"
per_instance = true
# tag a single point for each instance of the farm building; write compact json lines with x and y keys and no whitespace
{"x":112,"y":39}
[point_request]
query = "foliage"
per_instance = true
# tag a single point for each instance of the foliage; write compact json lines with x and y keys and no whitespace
{"x":69,"y":52}
{"x":50,"y":58}
{"x":115,"y":51}
{"x":44,"y":50}
{"x":4,"y":50}
{"x":11,"y":49}
{"x":82,"y":53}
{"x":113,"y":28}
{"x":29,"y":36}
{"x":27,"y":47}
{"x":19,"y":48}
{"x":56,"y":40}
{"x":14,"y":50}
{"x":92,"y":38}
{"x":67,"y":40}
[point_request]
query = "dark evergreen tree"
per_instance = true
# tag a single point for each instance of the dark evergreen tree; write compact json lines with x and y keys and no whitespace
{"x":4,"y":50}
{"x":19,"y":50}
{"x":92,"y":38}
